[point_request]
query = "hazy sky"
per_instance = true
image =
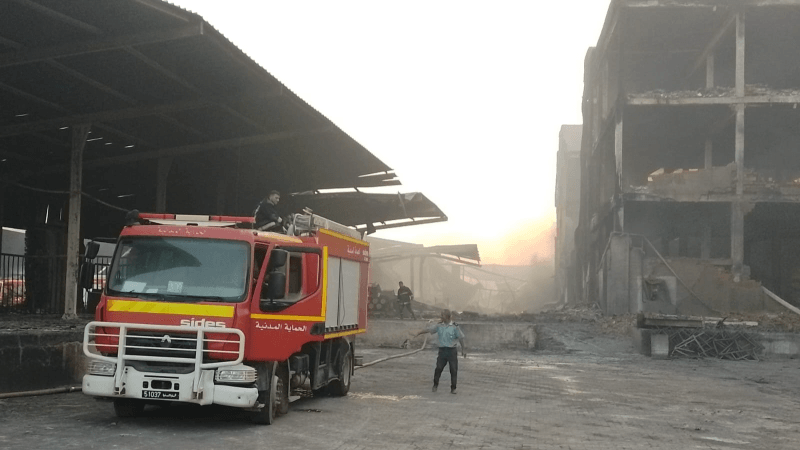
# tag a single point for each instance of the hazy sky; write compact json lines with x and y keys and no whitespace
{"x":464,"y":99}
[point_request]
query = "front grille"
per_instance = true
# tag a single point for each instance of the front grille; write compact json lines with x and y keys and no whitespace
{"x":168,"y":346}
{"x":176,"y":345}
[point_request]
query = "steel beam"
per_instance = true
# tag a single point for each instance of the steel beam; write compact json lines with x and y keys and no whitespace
{"x":754,"y":100}
{"x":192,"y":148}
{"x":99,"y":45}
{"x":57,"y":107}
{"x":63,"y":18}
{"x":102,"y":116}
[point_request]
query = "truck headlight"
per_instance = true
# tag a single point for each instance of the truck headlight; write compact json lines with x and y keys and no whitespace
{"x":103,"y":368}
{"x":235,"y":374}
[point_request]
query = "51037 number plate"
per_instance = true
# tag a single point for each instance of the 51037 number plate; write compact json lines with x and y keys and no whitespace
{"x":163,"y":395}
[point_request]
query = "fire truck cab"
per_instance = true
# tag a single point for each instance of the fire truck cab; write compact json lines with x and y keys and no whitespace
{"x":206,"y":310}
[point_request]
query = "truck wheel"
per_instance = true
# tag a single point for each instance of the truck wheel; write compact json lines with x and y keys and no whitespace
{"x":126,"y":407}
{"x":282,"y":390}
{"x":341,"y":386}
{"x":268,"y":398}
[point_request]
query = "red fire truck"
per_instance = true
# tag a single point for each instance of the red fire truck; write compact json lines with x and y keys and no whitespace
{"x":206,"y":310}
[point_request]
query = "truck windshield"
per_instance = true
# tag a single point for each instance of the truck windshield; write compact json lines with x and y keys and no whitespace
{"x":180,"y":269}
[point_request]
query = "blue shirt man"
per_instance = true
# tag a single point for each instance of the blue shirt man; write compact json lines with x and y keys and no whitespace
{"x":449,"y":335}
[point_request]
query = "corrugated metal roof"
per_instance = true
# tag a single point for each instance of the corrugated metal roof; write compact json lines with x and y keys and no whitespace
{"x":156,"y":81}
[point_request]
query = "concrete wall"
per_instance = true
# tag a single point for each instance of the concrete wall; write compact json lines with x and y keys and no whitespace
{"x":40,"y":360}
{"x":479,"y":336}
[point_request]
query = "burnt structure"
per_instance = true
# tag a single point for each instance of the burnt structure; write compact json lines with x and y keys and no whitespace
{"x":690,"y":160}
{"x":567,"y":202}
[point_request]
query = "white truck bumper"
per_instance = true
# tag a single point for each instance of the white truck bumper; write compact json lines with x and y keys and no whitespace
{"x":171,"y":387}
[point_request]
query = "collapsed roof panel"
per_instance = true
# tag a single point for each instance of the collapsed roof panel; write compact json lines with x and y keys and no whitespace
{"x":373,"y":211}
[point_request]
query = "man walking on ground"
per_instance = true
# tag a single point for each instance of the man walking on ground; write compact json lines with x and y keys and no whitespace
{"x":450,"y":335}
{"x":404,"y":297}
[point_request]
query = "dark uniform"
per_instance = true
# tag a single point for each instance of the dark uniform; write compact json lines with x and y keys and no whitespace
{"x":404,"y":298}
{"x":265,"y":214}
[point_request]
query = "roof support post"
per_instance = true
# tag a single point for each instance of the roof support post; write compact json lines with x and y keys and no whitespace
{"x":2,"y":218}
{"x":164,"y":164}
{"x":79,"y":135}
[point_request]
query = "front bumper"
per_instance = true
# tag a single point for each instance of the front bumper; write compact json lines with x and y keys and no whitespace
{"x":172,"y":387}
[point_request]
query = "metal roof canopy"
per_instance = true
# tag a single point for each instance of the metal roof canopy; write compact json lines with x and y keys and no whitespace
{"x":162,"y":90}
{"x":141,"y":104}
{"x":368,"y":212}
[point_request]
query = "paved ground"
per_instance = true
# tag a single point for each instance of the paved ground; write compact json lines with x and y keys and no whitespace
{"x":581,"y":392}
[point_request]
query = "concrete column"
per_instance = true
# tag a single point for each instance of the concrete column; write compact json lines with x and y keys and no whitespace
{"x":739,"y":149}
{"x":411,"y":274}
{"x":79,"y":134}
{"x":737,"y":240}
{"x":737,"y":212}
{"x":164,"y":164}
{"x":618,"y":273}
{"x":636,"y":278}
{"x":740,"y":44}
{"x":710,"y":71}
{"x":421,"y":293}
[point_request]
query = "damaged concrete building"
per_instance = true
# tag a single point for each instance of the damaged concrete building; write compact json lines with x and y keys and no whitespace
{"x":690,"y":158}
{"x":567,"y":202}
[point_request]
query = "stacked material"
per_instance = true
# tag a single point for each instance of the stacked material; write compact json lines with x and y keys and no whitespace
{"x":704,"y":337}
{"x":381,"y":302}
{"x":713,"y":343}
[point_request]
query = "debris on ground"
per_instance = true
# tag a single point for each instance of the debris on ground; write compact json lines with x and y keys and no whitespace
{"x":713,"y":343}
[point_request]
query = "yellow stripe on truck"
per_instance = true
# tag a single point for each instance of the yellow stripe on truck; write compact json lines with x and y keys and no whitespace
{"x":344,"y":333}
{"x":169,"y":308}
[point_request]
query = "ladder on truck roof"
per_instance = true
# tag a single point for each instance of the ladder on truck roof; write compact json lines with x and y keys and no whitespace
{"x":300,"y":223}
{"x":311,"y":223}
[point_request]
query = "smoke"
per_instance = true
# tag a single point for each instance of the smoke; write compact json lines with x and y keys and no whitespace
{"x":529,"y":243}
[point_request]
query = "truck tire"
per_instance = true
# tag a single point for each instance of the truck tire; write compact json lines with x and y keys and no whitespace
{"x":341,"y":387}
{"x":127,"y":407}
{"x":282,"y":389}
{"x":266,"y":415}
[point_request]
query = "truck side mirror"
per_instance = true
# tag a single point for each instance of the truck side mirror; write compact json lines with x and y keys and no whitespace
{"x":276,"y":288}
{"x":86,"y":275}
{"x":273,"y":289}
{"x":91,"y":250}
{"x":277,"y":259}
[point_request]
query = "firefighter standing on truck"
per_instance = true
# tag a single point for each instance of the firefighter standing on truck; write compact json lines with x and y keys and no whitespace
{"x":266,"y":213}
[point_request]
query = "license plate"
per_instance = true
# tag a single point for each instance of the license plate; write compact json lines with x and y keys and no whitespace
{"x":164,"y":395}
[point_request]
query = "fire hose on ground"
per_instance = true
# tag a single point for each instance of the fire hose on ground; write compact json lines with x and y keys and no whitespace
{"x":394,"y":356}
